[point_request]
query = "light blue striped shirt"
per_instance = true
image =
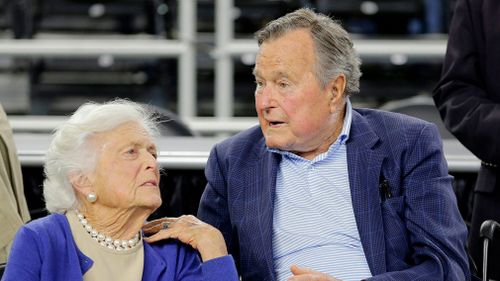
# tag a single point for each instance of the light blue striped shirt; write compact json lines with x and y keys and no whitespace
{"x":314,"y":224}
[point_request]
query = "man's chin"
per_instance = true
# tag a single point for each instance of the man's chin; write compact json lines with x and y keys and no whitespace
{"x":272,"y":143}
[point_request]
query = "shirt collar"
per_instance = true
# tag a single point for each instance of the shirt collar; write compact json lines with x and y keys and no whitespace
{"x":341,"y":139}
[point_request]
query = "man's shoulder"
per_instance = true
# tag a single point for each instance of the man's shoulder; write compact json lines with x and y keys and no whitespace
{"x":391,"y":130}
{"x":389,"y":121}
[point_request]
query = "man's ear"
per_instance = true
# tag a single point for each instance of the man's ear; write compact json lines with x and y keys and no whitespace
{"x":336,"y":88}
{"x":80,"y":182}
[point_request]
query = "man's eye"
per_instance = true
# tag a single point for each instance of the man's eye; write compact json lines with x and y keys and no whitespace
{"x":131,"y":151}
{"x":283,"y":84}
{"x":259,"y":84}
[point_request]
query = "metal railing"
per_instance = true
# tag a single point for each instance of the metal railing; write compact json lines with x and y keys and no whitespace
{"x":227,"y":47}
{"x":182,"y":48}
{"x":192,"y":152}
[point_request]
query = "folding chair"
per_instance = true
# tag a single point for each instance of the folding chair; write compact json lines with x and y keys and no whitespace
{"x":487,"y":232}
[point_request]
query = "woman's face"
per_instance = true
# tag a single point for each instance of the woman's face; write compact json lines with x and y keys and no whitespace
{"x":126,"y":174}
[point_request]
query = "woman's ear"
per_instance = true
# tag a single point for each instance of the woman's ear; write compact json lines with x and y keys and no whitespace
{"x":80,"y":182}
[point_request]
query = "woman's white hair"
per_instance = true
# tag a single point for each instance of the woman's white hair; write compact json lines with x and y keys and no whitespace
{"x":70,"y":151}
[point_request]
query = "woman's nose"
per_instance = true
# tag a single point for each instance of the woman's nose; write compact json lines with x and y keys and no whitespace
{"x":150,"y":160}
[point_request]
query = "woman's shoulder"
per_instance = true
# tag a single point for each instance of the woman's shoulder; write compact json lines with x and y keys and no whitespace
{"x":187,"y":262}
{"x":53,"y":226}
{"x":47,"y":233}
{"x":172,"y":255}
{"x":171,"y":249}
{"x":47,"y":223}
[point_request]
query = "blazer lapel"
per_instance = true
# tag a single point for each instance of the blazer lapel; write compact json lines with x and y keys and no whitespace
{"x":263,"y":192}
{"x":364,"y":166}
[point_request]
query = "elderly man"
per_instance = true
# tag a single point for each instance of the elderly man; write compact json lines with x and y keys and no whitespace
{"x":322,"y":191}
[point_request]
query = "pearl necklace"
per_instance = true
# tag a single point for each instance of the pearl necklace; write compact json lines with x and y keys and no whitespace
{"x":106,"y":241}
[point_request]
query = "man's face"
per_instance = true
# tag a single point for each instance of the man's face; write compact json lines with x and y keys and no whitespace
{"x":295,"y":113}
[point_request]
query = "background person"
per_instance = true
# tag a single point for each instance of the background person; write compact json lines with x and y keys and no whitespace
{"x":13,"y":207}
{"x":468,"y":99}
{"x":322,"y":191}
{"x":101,"y":185}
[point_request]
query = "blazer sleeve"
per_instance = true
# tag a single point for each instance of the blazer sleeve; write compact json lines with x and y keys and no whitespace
{"x":214,"y":207}
{"x":465,"y":94}
{"x":435,"y":230}
{"x":25,"y":260}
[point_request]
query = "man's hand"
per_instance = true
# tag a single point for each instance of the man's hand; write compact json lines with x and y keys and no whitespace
{"x":190,"y":230}
{"x":307,"y":274}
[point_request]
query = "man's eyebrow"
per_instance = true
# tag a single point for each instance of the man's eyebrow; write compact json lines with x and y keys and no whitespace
{"x":277,"y":73}
{"x":280,"y":73}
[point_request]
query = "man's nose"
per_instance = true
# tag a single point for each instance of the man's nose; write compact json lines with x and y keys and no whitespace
{"x":266,"y":98}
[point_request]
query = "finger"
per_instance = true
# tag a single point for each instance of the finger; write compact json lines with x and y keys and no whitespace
{"x":305,"y":277}
{"x":309,"y":277}
{"x":155,"y":226}
{"x":190,"y":220}
{"x":296,"y":270}
{"x":162,"y":235}
{"x":304,"y":273}
{"x":178,"y":232}
{"x":160,"y":221}
{"x":152,"y":226}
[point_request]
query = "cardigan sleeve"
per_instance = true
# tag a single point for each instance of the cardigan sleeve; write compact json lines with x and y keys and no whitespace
{"x":172,"y":260}
{"x":220,"y":269}
{"x":25,"y":258}
{"x":190,"y":267}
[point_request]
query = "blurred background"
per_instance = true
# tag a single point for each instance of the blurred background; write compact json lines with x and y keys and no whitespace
{"x":70,"y":51}
{"x":192,"y":62}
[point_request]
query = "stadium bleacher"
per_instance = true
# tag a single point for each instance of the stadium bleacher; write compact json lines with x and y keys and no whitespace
{"x":56,"y":85}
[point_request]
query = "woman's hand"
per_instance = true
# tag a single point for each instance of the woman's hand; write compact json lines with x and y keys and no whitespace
{"x":203,"y":237}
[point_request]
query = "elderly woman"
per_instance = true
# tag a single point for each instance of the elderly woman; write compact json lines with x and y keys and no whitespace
{"x":101,"y":185}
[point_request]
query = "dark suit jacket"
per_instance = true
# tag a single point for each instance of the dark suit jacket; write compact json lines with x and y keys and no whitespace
{"x":468,"y":98}
{"x":416,"y":234}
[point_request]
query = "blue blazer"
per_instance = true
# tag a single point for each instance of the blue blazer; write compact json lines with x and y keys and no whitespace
{"x":418,"y":233}
{"x":44,"y":250}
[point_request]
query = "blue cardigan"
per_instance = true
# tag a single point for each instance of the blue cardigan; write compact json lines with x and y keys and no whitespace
{"x":45,"y":249}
